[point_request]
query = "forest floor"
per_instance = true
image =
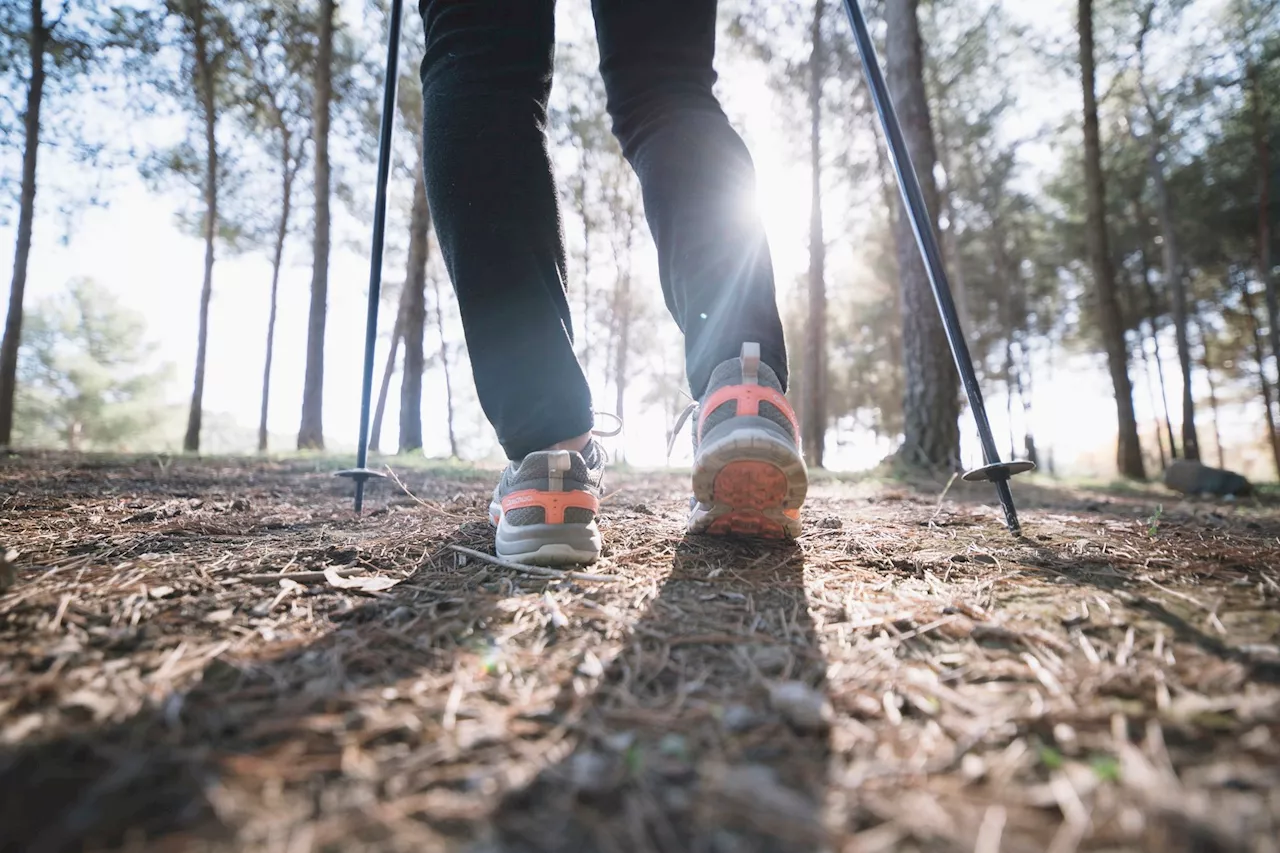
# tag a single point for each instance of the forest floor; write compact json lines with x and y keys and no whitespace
{"x":908,"y":676}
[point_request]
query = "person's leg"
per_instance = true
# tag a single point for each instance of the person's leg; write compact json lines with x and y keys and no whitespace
{"x":656,"y":58}
{"x":486,"y":79}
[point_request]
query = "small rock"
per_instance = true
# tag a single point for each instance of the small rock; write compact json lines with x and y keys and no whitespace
{"x":676,"y":798}
{"x":800,"y":705}
{"x":831,"y":522}
{"x":673,"y":745}
{"x":592,"y":773}
{"x":591,"y":667}
{"x":972,"y":767}
{"x":739,"y":718}
{"x":1193,"y":478}
{"x":620,"y":741}
{"x":240,"y":505}
{"x":219,"y":616}
{"x":160,"y":591}
{"x":770,"y":660}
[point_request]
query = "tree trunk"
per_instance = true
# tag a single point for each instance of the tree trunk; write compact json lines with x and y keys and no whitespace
{"x":931,"y":408}
{"x":1260,"y":355}
{"x":814,"y":400}
{"x":1213,"y":394}
{"x":1008,"y":397}
{"x":1178,"y":289}
{"x":582,"y":203}
{"x":1024,"y":394}
{"x":205,"y":82}
{"x":1155,"y":409}
{"x":388,"y":371}
{"x":1110,"y":321}
{"x":26,"y":218}
{"x":444,"y":364}
{"x":1262,"y":146}
{"x":1153,"y":313}
{"x":946,"y":200}
{"x":621,"y":374}
{"x":311,"y":430}
{"x":277,"y":260}
{"x":415,"y":316}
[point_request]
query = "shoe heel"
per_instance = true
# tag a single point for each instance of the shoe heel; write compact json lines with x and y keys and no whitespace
{"x":749,"y":483}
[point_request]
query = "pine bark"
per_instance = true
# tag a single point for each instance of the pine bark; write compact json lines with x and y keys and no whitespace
{"x":1262,"y":147}
{"x":205,"y":84}
{"x":1153,"y":314}
{"x":311,"y":429}
{"x":1213,"y":393}
{"x":1110,"y":322}
{"x":388,"y":372}
{"x":415,"y":317}
{"x":444,"y":365}
{"x":288,"y":174}
{"x":1178,"y":290}
{"x":931,"y":408}
{"x":37,"y":43}
{"x":1260,"y":356}
{"x":814,"y":399}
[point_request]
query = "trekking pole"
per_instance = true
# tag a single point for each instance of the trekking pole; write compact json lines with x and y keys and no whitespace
{"x":993,"y":469}
{"x":361,"y":472}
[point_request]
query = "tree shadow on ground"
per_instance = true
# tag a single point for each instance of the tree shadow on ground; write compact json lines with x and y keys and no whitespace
{"x":680,"y":747}
{"x":1138,"y":592}
{"x":158,"y":777}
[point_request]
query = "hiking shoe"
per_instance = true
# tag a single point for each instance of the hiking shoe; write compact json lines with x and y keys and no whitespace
{"x":749,"y":478}
{"x":545,"y":507}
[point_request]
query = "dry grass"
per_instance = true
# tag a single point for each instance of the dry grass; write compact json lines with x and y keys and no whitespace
{"x":907,"y":677}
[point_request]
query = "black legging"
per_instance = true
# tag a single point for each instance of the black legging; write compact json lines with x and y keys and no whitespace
{"x":486,"y":80}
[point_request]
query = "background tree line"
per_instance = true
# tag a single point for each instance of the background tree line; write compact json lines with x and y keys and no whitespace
{"x":1132,"y":232}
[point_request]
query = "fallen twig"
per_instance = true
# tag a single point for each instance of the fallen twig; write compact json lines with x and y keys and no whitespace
{"x":536,"y":571}
{"x":942,"y":497}
{"x":396,"y":479}
{"x":300,"y":577}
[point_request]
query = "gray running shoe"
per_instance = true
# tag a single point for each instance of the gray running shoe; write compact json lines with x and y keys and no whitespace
{"x":545,"y":507}
{"x":749,"y":478}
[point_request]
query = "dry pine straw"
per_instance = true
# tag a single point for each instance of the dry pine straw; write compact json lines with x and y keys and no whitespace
{"x":906,"y":678}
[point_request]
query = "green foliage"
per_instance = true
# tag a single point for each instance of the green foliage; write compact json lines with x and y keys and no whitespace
{"x":1153,"y":523}
{"x":88,"y":379}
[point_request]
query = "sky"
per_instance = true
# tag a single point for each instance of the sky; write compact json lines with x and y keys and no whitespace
{"x":134,"y":248}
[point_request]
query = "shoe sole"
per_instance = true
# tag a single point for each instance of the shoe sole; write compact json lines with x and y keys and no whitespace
{"x":745,"y":484}
{"x":548,"y":545}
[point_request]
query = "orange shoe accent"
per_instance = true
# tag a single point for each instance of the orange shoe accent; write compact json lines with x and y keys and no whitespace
{"x":748,"y":398}
{"x":553,"y":503}
{"x":750,"y":487}
{"x":750,"y":524}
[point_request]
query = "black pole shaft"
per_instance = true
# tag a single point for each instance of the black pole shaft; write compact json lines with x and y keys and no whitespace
{"x":379,"y":237}
{"x":921,"y":225}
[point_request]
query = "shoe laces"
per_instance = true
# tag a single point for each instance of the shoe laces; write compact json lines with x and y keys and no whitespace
{"x":689,"y":410}
{"x":608,"y":433}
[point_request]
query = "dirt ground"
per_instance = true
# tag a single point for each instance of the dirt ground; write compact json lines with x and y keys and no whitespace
{"x":908,"y":676}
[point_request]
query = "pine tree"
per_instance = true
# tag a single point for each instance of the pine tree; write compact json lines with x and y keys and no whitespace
{"x":311,"y":429}
{"x":1107,"y":307}
{"x":931,"y":430}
